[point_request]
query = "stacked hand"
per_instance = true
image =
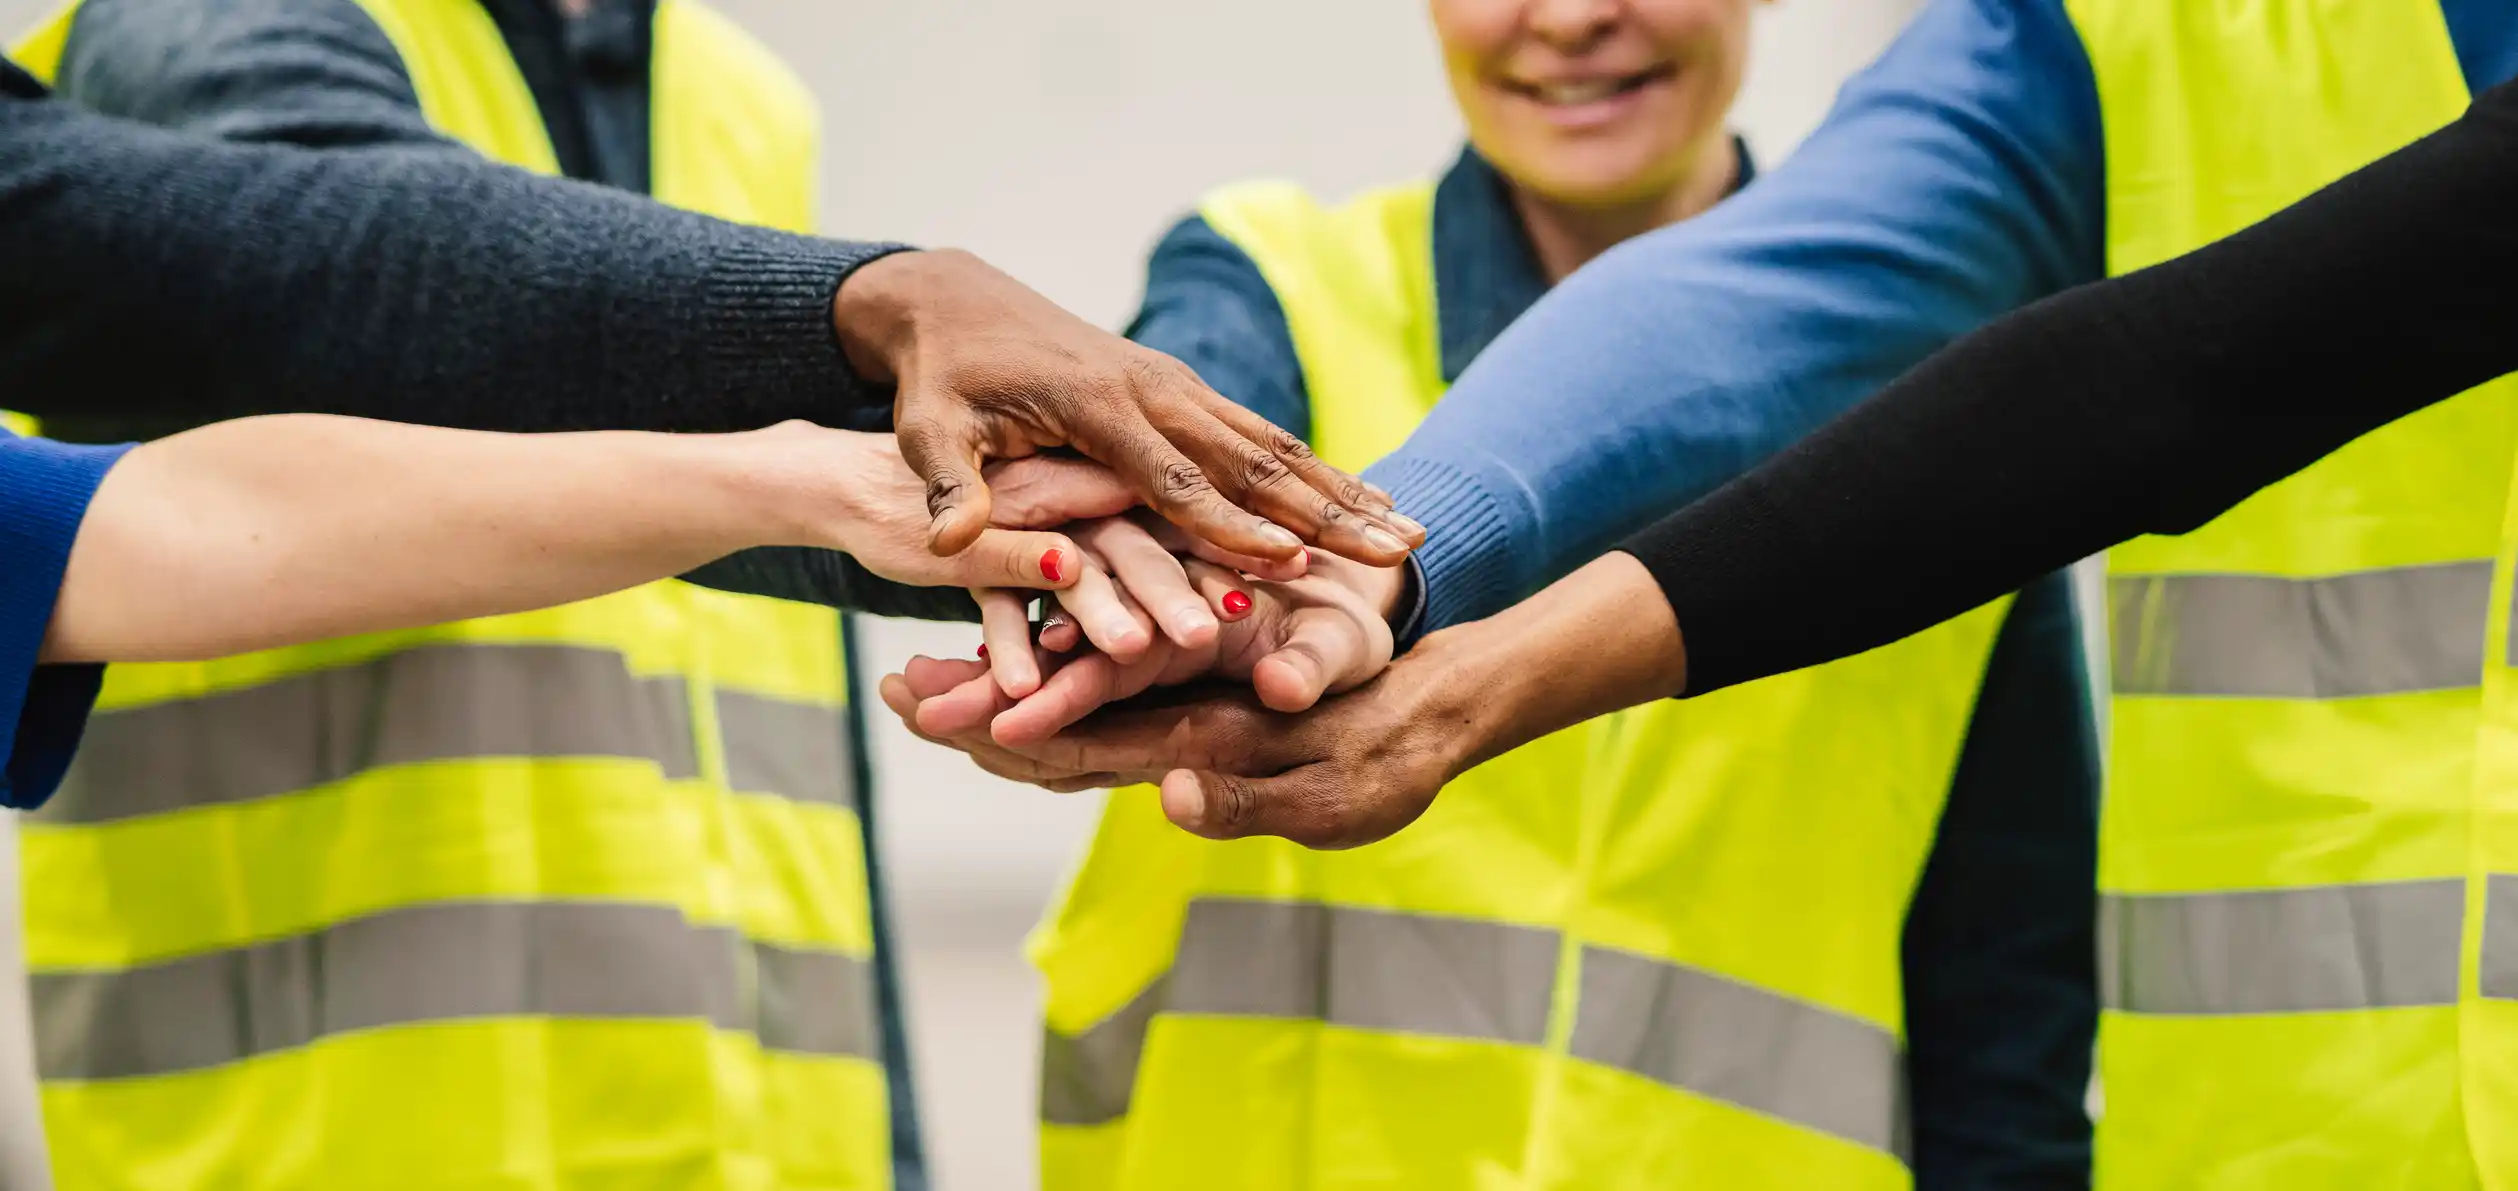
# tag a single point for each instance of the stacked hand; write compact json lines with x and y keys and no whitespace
{"x":986,"y":369}
{"x":1193,"y":638}
{"x":1274,"y":757}
{"x":1272,"y":649}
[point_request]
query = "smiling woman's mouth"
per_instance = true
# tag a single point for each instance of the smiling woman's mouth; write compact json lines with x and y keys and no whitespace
{"x":1581,"y":91}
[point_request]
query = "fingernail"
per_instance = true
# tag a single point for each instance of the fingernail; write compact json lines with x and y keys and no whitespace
{"x":1405,"y":523}
{"x":1235,"y":603}
{"x":983,"y":653}
{"x":1053,"y":565}
{"x":1378,"y":490}
{"x":1278,"y":535}
{"x":1380,"y":539}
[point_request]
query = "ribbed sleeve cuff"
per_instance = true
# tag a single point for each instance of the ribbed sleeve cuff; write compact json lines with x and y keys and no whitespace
{"x":1467,"y":559}
{"x":770,"y":336}
{"x":44,"y":492}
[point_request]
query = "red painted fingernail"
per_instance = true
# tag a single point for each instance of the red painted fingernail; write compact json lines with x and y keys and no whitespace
{"x":1235,"y":603}
{"x":1053,"y":565}
{"x":983,"y":653}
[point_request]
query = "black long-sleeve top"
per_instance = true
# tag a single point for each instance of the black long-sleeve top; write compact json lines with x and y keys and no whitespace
{"x":2149,"y":403}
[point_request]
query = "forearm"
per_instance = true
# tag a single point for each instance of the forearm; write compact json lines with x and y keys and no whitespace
{"x":1589,"y":644}
{"x":266,"y":531}
{"x":2146,"y":404}
{"x":173,"y":279}
{"x":1958,"y":178}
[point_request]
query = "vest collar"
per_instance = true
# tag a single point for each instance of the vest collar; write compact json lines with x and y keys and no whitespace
{"x":1485,"y":271}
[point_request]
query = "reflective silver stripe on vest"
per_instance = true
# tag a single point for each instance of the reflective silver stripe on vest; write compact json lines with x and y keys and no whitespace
{"x":1740,"y":1044}
{"x":1368,"y":969}
{"x":1465,"y":978}
{"x":442,"y":962}
{"x":2500,"y":936}
{"x":2316,"y":949}
{"x":1344,"y":965}
{"x":815,"y":1002}
{"x":1086,"y":1079}
{"x":2262,"y":636}
{"x":432,"y":703}
{"x":798,"y":751}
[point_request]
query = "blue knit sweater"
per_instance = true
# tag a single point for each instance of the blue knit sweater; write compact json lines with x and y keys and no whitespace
{"x":44,"y":490}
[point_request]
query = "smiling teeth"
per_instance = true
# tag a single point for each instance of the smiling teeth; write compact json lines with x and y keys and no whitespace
{"x":1569,"y":94}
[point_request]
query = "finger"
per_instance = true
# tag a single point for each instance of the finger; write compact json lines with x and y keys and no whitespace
{"x":1013,"y":767}
{"x":944,"y":448}
{"x":1058,"y":633}
{"x":1171,"y":537}
{"x":928,"y":677}
{"x":1311,"y":805}
{"x":964,"y":710}
{"x":1323,"y":649}
{"x":1078,"y":785}
{"x":1015,"y":558}
{"x":1153,"y":578}
{"x":1005,"y":630}
{"x":1047,"y":491}
{"x":1255,"y":478}
{"x":897,"y":696}
{"x":1126,"y":436}
{"x":1227,"y":731}
{"x":1222,"y":590}
{"x":1290,"y":449}
{"x":1109,"y":619}
{"x":1075,"y":691}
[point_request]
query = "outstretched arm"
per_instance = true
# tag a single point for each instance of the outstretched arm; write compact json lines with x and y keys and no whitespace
{"x":267,"y":531}
{"x":2148,"y":403}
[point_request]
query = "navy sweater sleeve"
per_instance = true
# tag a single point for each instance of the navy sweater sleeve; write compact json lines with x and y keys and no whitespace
{"x":162,"y":280}
{"x":319,"y":75}
{"x":44,"y":491}
{"x":2149,"y":403}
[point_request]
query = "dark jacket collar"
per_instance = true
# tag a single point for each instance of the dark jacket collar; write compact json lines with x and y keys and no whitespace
{"x":1485,"y":272}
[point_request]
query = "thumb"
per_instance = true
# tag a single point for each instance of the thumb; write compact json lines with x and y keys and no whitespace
{"x":1322,"y":651}
{"x":1039,"y":491}
{"x":1015,"y":558}
{"x":1295,"y":804}
{"x":945,"y":452}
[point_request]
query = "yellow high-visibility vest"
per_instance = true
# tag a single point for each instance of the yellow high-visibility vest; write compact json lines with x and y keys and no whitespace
{"x":1657,"y":950}
{"x":2293,"y":851}
{"x":569,"y":899}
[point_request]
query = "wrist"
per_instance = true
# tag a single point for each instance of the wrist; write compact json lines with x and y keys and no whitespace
{"x":1380,"y":588}
{"x":1457,"y":694}
{"x":876,"y":310}
{"x":1597,"y":641}
{"x":798,"y":484}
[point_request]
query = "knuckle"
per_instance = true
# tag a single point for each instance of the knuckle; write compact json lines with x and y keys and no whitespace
{"x":943,"y":492}
{"x":1147,"y":371}
{"x":1288,"y":444}
{"x":1235,"y":806}
{"x":1261,"y":470}
{"x":1180,"y":480}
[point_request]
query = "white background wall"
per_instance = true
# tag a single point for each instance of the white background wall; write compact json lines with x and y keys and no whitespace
{"x":1058,"y":138}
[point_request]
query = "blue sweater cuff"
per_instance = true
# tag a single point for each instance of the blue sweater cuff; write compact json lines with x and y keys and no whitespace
{"x":1466,"y":563}
{"x":44,"y":492}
